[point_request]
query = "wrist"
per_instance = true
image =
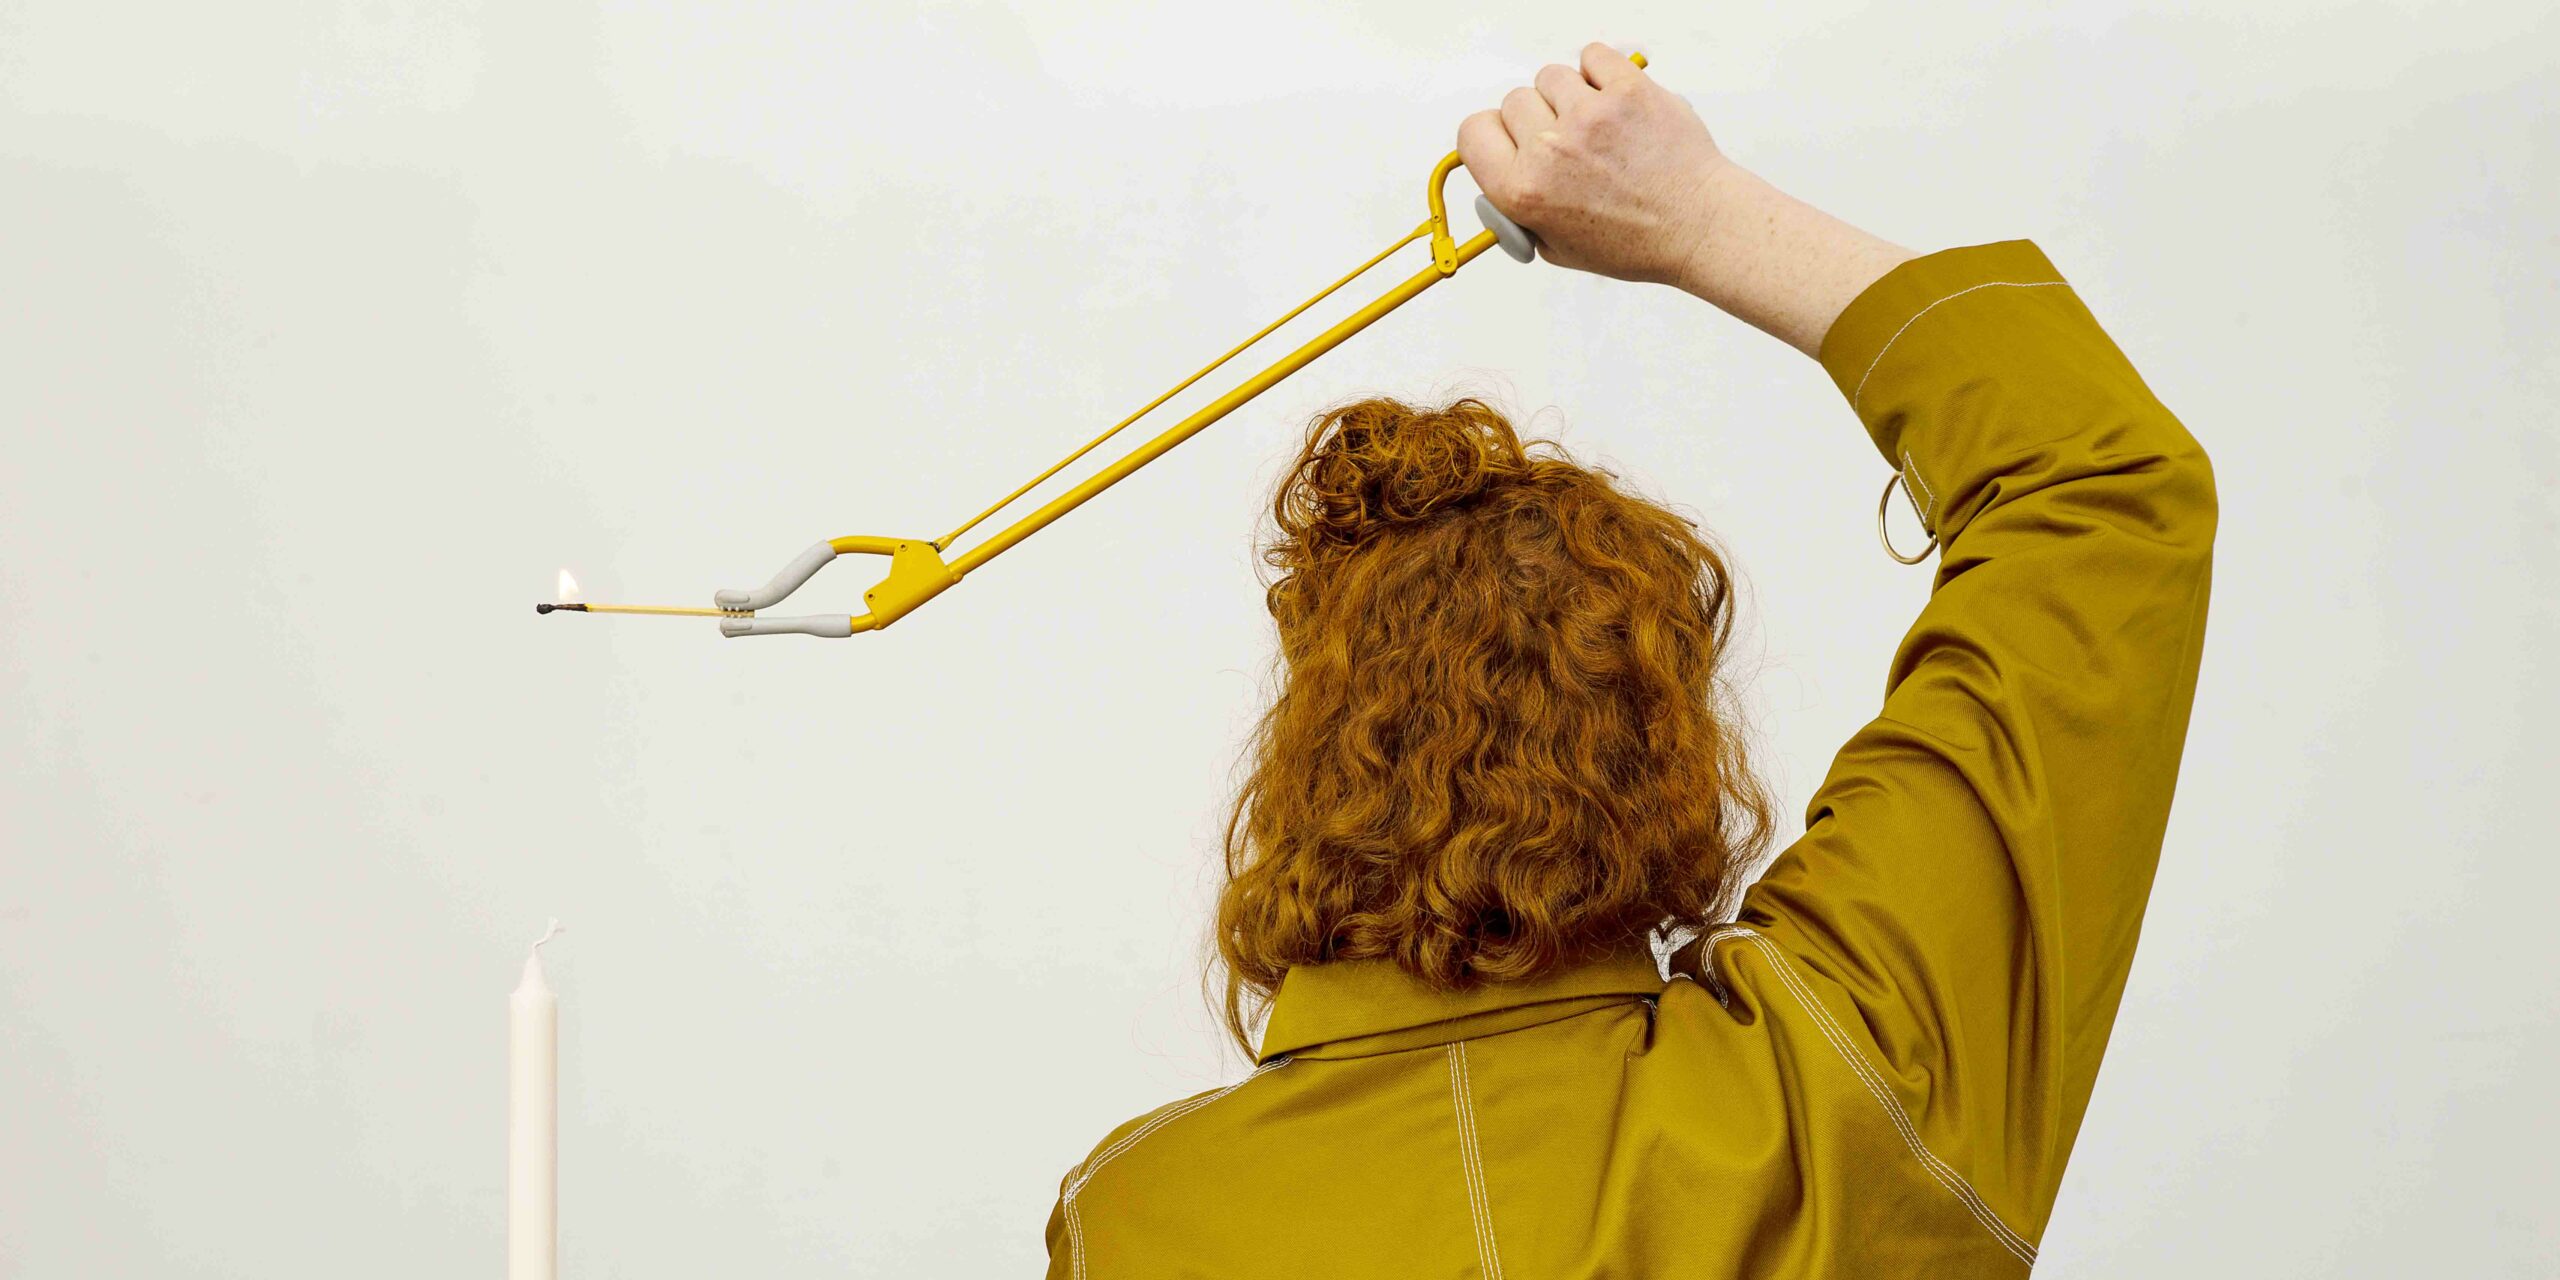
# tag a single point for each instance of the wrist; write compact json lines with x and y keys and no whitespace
{"x":1723,"y":200}
{"x":1780,"y":264}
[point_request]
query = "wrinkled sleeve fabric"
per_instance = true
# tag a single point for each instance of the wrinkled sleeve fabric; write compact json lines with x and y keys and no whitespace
{"x":1972,"y":877}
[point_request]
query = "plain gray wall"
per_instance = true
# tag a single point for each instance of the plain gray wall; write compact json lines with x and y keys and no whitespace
{"x":329,"y":332}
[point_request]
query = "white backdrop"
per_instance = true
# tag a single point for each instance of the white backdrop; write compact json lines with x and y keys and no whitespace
{"x":329,"y":332}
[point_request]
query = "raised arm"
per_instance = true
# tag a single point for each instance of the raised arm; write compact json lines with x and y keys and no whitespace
{"x":1962,"y":909}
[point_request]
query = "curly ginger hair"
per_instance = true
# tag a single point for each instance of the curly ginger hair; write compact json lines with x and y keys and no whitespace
{"x":1505,"y":740}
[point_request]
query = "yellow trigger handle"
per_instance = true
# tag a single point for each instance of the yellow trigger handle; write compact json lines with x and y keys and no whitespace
{"x":917,"y":571}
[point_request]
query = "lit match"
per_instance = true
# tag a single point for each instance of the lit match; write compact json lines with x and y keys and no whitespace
{"x":568,"y":603}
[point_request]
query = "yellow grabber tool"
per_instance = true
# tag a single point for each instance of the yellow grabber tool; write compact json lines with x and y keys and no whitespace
{"x":917,"y":571}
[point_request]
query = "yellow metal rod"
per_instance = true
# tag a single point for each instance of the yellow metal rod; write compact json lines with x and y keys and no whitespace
{"x":1446,"y":258}
{"x":1205,"y":370}
{"x":1216,"y":409}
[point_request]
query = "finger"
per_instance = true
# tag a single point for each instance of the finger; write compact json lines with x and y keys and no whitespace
{"x":1485,"y":147}
{"x":1563,"y":88}
{"x":1607,"y":67}
{"x":1526,"y":115}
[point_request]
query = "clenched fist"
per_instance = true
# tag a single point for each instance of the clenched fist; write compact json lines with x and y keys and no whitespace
{"x":1613,"y":173}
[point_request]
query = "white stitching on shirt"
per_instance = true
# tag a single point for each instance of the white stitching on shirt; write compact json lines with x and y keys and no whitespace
{"x":1083,"y":1173}
{"x":1167,"y":1116}
{"x":1715,"y":985}
{"x":1075,"y":1238}
{"x":1466,"y":1166}
{"x":1932,"y":503}
{"x":1946,"y":1175}
{"x":1462,"y":1094}
{"x":1856,"y":396}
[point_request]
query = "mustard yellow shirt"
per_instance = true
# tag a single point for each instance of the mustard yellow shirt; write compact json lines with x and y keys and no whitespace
{"x":1879,"y":1067}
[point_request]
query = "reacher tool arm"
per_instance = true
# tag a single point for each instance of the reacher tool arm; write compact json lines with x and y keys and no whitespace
{"x":917,"y":571}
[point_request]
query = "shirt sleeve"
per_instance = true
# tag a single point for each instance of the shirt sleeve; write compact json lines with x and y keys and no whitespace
{"x":1969,"y":887}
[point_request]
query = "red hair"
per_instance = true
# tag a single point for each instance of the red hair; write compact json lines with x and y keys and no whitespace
{"x":1503,"y":741}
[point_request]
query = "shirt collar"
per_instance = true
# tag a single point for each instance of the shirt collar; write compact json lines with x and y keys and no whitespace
{"x":1354,"y":1008}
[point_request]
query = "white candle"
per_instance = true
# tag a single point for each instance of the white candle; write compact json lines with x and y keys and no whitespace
{"x":533,"y":1122}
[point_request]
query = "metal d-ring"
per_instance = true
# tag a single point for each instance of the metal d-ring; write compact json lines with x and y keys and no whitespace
{"x":1886,"y":500}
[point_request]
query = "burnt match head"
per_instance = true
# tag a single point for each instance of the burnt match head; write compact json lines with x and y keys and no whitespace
{"x":546,"y":608}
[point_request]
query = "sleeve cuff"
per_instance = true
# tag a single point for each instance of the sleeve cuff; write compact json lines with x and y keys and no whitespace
{"x":1860,"y":336}
{"x":1895,"y":344}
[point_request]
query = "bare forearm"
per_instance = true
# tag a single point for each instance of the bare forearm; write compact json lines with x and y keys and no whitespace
{"x":1777,"y":263}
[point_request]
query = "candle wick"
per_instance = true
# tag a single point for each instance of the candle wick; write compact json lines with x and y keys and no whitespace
{"x":554,"y":927}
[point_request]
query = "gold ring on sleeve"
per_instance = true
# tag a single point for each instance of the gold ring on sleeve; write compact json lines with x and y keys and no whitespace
{"x":1886,"y":500}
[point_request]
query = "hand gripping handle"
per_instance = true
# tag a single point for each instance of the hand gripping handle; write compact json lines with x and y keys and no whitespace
{"x":1514,"y":238}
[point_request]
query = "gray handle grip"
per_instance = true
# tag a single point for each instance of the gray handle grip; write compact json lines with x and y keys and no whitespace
{"x":783,"y":584}
{"x":833,"y":626}
{"x":1514,"y":238}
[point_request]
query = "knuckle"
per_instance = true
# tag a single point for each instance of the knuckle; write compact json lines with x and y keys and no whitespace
{"x":1521,"y":97}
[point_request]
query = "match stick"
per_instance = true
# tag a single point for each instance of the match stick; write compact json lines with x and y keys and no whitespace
{"x":664,"y":609}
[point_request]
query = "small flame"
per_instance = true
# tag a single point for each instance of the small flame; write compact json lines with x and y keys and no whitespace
{"x":568,"y":588}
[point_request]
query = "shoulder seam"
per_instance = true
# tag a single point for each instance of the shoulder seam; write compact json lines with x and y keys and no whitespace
{"x":1868,"y":1074}
{"x":1084,"y":1172}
